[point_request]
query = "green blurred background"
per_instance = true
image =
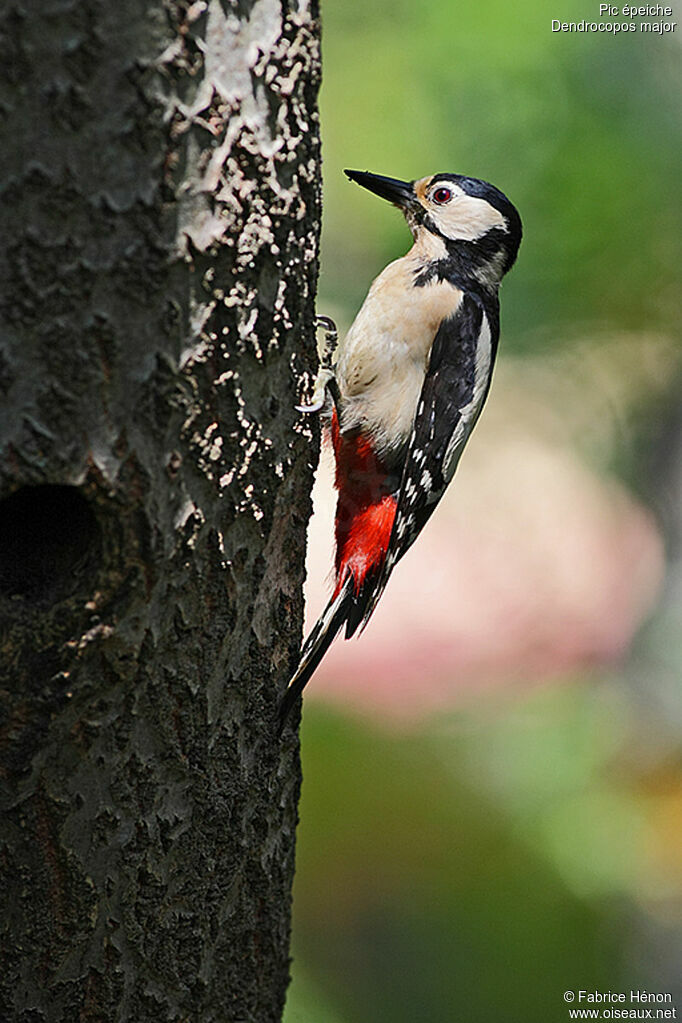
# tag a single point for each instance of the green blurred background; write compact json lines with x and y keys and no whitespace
{"x":518,"y":839}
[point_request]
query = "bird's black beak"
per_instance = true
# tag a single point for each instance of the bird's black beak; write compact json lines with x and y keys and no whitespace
{"x":401,"y":193}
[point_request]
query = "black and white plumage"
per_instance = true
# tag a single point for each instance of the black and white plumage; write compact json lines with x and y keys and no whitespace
{"x":410,"y":380}
{"x":454,"y":390}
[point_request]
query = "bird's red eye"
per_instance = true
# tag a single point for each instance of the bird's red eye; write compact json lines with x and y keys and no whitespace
{"x":442,"y":195}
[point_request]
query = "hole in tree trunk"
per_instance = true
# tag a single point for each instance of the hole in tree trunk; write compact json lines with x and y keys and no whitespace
{"x":49,"y":540}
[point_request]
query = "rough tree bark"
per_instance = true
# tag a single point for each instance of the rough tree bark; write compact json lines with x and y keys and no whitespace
{"x":159,"y":200}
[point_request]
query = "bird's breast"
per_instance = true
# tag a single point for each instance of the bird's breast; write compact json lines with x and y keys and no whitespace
{"x":382,"y":361}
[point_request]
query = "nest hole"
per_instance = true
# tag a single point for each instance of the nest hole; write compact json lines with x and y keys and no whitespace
{"x":49,"y":543}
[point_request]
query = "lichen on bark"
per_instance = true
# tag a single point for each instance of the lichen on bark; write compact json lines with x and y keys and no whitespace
{"x":159,"y":184}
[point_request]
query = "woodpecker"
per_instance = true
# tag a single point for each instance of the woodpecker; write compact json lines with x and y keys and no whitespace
{"x":404,"y":389}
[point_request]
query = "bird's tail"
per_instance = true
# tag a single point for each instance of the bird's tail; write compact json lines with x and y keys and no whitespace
{"x":315,"y":647}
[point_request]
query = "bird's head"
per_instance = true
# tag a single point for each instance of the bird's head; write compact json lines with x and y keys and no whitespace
{"x":473,"y":221}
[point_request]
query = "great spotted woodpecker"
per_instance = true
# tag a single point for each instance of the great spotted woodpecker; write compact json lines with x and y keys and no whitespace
{"x":407,"y":385}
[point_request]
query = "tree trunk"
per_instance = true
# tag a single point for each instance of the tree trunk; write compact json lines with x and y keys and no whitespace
{"x":159,"y":184}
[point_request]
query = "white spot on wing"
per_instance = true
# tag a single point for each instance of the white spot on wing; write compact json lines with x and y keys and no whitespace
{"x":469,"y":414}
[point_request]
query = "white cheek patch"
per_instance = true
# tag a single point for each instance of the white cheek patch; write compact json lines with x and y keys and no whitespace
{"x":467,"y":218}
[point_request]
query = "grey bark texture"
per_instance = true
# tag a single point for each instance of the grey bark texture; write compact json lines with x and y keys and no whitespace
{"x":159,"y":202}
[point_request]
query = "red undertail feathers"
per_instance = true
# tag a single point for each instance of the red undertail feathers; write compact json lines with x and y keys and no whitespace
{"x":364,"y":520}
{"x":365,"y":513}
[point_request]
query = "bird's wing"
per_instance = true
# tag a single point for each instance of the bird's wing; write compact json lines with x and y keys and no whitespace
{"x":454,"y":390}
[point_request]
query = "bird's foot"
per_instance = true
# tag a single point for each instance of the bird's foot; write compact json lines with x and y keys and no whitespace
{"x":324,"y":381}
{"x":331,"y":338}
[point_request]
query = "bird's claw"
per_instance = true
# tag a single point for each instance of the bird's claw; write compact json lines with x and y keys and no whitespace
{"x":317,"y":406}
{"x":325,"y":376}
{"x":325,"y":323}
{"x":323,"y":379}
